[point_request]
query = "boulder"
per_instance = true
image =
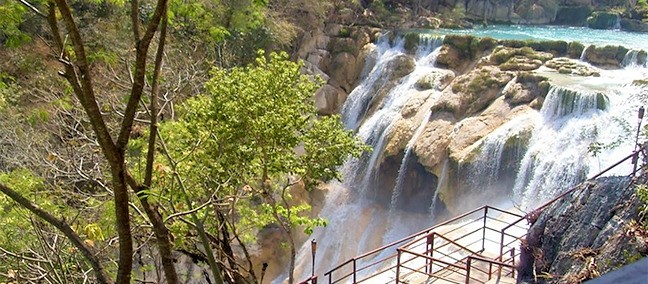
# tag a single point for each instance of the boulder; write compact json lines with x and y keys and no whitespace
{"x":343,"y":71}
{"x":525,"y":89}
{"x":400,"y":66}
{"x":320,"y":58}
{"x":575,"y":50}
{"x":469,"y":131}
{"x":308,"y":44}
{"x":344,"y":45}
{"x":329,"y":99}
{"x":427,"y":23}
{"x":399,"y":136}
{"x":478,"y":88}
{"x":431,"y":146}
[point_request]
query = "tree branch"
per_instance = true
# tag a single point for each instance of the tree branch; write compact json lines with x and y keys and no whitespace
{"x":61,"y":226}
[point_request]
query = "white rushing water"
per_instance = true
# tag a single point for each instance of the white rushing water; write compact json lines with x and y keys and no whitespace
{"x":555,"y":146}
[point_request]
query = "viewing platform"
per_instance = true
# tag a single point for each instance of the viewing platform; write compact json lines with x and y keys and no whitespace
{"x":477,"y":247}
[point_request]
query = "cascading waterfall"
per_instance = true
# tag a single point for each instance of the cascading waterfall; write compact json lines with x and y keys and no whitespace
{"x":441,"y":184}
{"x":487,"y":169}
{"x":558,"y":149}
{"x":358,"y":220}
{"x":403,"y":168}
{"x":359,"y":99}
{"x":577,"y":112}
{"x":630,"y":60}
{"x":583,"y":55}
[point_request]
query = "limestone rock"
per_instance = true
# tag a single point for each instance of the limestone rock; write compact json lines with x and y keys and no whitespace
{"x":608,"y":56}
{"x":450,"y":58}
{"x":343,"y":71}
{"x":400,"y":134}
{"x":525,"y":88}
{"x":603,"y":20}
{"x":569,"y":66}
{"x":400,"y":66}
{"x":320,"y":58}
{"x":437,"y":79}
{"x":470,"y":130}
{"x":366,"y":59}
{"x":521,"y":63}
{"x":329,"y":99}
{"x":478,"y":88}
{"x":428,"y":22}
{"x":431,"y":146}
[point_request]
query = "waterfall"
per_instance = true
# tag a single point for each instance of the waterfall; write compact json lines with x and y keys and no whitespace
{"x":441,"y":184}
{"x":630,"y":59}
{"x":488,"y":166}
{"x":617,"y":23}
{"x":357,"y":223}
{"x":403,"y":167}
{"x":540,"y":152}
{"x":583,"y":55}
{"x":359,"y":99}
{"x":557,"y":155}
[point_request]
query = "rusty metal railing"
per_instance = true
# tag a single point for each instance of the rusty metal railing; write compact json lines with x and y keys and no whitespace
{"x":359,"y":269}
{"x":457,"y":247}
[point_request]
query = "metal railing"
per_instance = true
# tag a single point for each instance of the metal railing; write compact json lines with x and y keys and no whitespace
{"x":460,"y":246}
{"x":373,"y":265}
{"x":469,"y":233}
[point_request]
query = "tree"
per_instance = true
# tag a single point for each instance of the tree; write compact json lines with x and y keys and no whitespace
{"x":78,"y":73}
{"x":252,"y":137}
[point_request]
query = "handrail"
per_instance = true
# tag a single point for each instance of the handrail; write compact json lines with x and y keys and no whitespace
{"x":412,"y":239}
{"x":408,"y":238}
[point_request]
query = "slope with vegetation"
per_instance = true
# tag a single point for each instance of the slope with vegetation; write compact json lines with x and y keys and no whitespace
{"x":121,"y":152}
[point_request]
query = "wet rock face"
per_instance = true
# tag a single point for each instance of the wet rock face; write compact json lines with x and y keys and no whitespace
{"x":603,"y":20}
{"x":585,"y":228}
{"x":417,"y":189}
{"x":608,"y":56}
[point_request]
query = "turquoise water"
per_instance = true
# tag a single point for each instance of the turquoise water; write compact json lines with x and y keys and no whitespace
{"x":584,"y":35}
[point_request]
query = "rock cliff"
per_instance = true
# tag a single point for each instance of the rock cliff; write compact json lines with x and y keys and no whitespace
{"x":585,"y":234}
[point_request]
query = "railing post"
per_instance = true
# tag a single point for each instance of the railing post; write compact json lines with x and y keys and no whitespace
{"x":354,"y":270}
{"x":468,"y":270}
{"x":501,"y":252}
{"x":490,"y":270}
{"x":484,"y":229}
{"x":398,"y":257}
{"x":430,"y":249}
{"x":513,"y":260}
{"x":330,"y":278}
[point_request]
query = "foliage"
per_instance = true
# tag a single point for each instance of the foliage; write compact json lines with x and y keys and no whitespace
{"x":11,"y":16}
{"x":642,"y":194}
{"x":250,"y":141}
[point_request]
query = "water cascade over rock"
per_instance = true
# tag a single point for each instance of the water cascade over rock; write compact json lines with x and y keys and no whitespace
{"x":504,"y":127}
